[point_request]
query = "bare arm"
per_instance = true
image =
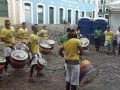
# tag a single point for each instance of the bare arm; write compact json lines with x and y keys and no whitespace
{"x":61,"y":52}
{"x":80,"y":50}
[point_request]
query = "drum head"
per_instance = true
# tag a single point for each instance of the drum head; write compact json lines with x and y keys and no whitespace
{"x":45,"y":45}
{"x":89,"y":77}
{"x":50,"y":42}
{"x":19,"y":55}
{"x":42,"y":61}
{"x":84,"y":42}
{"x":2,"y":60}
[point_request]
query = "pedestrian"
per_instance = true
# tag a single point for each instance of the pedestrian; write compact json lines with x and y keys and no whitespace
{"x":8,"y":33}
{"x":72,"y":51}
{"x":97,"y":36}
{"x":33,"y":44}
{"x":118,"y":39}
{"x":108,"y":39}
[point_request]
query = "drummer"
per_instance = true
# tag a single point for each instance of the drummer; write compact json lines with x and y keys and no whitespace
{"x":33,"y":44}
{"x":8,"y":33}
{"x":72,"y":67}
{"x":22,"y":36}
{"x":78,"y":31}
{"x":64,"y":38}
{"x":43,"y":33}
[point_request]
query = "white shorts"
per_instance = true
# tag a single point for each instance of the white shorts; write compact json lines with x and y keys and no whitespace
{"x":7,"y":51}
{"x":36,"y":58}
{"x":72,"y":73}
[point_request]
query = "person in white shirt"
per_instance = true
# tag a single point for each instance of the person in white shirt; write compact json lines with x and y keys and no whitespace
{"x":118,"y":39}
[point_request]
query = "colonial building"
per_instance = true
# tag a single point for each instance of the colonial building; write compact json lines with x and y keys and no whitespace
{"x":104,"y":8}
{"x":9,"y":9}
{"x":47,"y":11}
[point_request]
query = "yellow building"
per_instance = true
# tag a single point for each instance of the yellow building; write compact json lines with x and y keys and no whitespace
{"x":10,"y":9}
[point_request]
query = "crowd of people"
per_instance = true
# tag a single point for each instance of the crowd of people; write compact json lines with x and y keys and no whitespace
{"x":112,"y":40}
{"x":70,"y":44}
{"x":12,"y":38}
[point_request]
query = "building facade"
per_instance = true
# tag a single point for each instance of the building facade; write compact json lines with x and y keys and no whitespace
{"x":48,"y":11}
{"x":104,"y":8}
{"x":9,"y":9}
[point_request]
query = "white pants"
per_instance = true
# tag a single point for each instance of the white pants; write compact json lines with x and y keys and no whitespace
{"x":72,"y":73}
{"x":35,"y":58}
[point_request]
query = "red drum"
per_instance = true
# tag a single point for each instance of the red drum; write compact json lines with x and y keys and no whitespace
{"x":51,"y":43}
{"x":84,"y":43}
{"x":87,"y":73}
{"x":41,"y":64}
{"x":18,"y":59}
{"x":45,"y":48}
{"x":2,"y":63}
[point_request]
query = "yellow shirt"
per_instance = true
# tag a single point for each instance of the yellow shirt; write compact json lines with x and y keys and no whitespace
{"x":9,"y":35}
{"x":34,"y":43}
{"x":43,"y":33}
{"x":22,"y":34}
{"x":71,"y":49}
{"x":108,"y":35}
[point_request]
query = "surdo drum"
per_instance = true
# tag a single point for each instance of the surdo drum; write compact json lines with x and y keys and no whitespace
{"x":45,"y":48}
{"x":18,"y":59}
{"x":41,"y":64}
{"x":87,"y":73}
{"x":84,"y":43}
{"x":51,"y":43}
{"x":2,"y":63}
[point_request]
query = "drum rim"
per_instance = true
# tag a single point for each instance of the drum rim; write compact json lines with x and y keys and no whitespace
{"x":82,"y":85}
{"x":50,"y":40}
{"x":88,"y":42}
{"x":26,"y":56}
{"x":45,"y":47}
{"x":2,"y":61}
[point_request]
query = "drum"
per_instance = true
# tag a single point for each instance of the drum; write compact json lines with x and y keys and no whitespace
{"x":41,"y":64}
{"x":18,"y":59}
{"x":84,"y":43}
{"x":87,"y":73}
{"x":51,"y":43}
{"x":45,"y":48}
{"x":2,"y":63}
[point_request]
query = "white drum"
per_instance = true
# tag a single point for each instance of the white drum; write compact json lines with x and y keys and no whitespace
{"x":41,"y":63}
{"x":18,"y":59}
{"x":45,"y":48}
{"x":51,"y":43}
{"x":84,"y":43}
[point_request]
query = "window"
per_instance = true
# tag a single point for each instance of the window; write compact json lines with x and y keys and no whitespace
{"x":83,"y":13}
{"x":51,"y":15}
{"x":69,"y":16}
{"x":61,"y":16}
{"x":40,"y":14}
{"x":107,"y":16}
{"x":100,"y":10}
{"x":76,"y":18}
{"x":27,"y":12}
{"x":3,"y":8}
{"x":93,"y":14}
